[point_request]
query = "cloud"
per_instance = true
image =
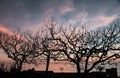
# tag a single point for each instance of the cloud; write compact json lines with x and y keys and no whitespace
{"x":16,"y":13}
{"x":79,"y":18}
{"x":106,"y":19}
{"x":5,"y":30}
{"x":94,"y":9}
{"x":65,"y":9}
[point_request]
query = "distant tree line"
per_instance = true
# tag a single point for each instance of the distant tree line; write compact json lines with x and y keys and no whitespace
{"x":85,"y":48}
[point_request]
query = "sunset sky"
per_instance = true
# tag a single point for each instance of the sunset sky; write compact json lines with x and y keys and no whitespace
{"x":30,"y":14}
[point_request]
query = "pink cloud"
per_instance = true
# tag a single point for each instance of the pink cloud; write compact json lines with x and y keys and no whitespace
{"x":5,"y":30}
{"x":106,"y":19}
{"x":100,"y":20}
{"x":66,"y":9}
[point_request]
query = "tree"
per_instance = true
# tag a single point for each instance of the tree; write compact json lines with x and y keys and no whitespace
{"x":17,"y":48}
{"x":102,"y":46}
{"x":48,"y":45}
{"x":42,"y":43}
{"x":86,"y":49}
{"x":34,"y":40}
{"x":5,"y":66}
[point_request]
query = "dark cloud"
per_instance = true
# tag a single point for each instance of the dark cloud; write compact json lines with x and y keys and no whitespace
{"x":16,"y":13}
{"x":94,"y":7}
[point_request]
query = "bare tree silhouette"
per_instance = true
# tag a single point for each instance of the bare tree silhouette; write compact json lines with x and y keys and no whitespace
{"x":86,"y":49}
{"x":17,"y":48}
{"x":6,"y":66}
{"x":47,"y":45}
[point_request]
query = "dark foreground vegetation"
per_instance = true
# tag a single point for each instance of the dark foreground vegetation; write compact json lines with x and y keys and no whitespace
{"x":110,"y":73}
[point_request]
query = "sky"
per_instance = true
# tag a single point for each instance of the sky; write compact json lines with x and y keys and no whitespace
{"x":30,"y":14}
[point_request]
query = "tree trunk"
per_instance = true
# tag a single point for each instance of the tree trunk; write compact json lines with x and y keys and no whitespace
{"x":48,"y":61}
{"x":86,"y":73}
{"x":20,"y":66}
{"x":86,"y":67}
{"x":78,"y":67}
{"x":47,"y":65}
